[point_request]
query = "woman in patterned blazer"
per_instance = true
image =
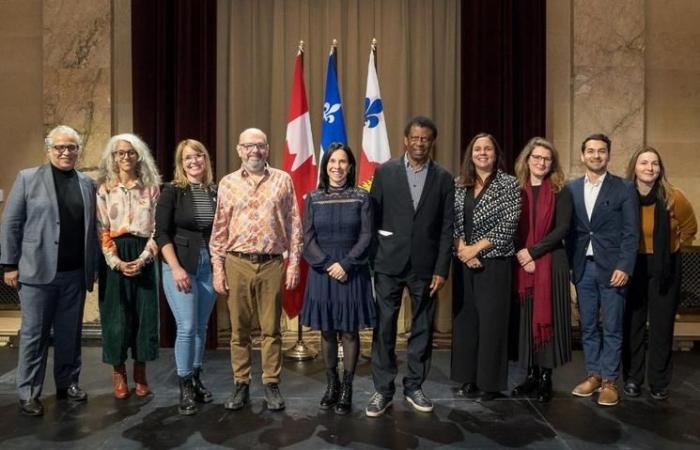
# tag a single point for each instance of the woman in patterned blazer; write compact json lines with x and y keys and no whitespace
{"x":487,"y":208}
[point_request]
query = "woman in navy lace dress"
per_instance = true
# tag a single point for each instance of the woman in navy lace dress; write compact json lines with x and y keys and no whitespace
{"x":338,"y":297}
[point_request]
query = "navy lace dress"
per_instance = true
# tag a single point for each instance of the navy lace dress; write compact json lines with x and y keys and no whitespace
{"x":338,"y":228}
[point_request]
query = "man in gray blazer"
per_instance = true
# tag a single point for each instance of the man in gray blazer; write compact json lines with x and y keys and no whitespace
{"x":48,"y":247}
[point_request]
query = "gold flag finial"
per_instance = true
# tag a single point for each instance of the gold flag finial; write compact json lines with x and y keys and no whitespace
{"x":374,"y":44}
{"x":335,"y":43}
{"x":301,"y":46}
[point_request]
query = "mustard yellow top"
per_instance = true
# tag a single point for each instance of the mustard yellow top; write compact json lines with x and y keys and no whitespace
{"x":683,"y":224}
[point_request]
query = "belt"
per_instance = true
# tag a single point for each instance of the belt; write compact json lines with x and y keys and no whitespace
{"x":255,"y":258}
{"x":590,"y":258}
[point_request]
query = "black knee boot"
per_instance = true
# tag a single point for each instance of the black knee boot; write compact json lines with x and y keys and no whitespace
{"x":344,"y":405}
{"x":187,"y":406}
{"x":330,"y":397}
{"x":530,"y":384}
{"x":544,"y":389}
{"x":201,"y":394}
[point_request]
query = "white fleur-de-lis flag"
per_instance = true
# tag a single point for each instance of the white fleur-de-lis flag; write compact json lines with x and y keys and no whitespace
{"x":375,"y":141}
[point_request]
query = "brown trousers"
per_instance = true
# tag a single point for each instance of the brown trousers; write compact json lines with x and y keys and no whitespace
{"x":255,"y":290}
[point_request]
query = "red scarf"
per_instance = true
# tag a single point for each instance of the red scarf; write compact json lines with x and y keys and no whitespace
{"x":531,"y":229}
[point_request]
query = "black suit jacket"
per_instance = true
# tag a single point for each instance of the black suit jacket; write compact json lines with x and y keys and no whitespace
{"x":421,"y":237}
{"x":175,"y":224}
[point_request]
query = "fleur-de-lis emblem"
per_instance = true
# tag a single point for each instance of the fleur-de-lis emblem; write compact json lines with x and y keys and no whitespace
{"x":372,"y":111}
{"x":329,"y":110}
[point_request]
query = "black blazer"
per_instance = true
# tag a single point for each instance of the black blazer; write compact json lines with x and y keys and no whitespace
{"x":423,"y":236}
{"x":175,"y":224}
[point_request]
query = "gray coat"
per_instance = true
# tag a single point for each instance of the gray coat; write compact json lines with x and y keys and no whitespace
{"x":30,"y":227}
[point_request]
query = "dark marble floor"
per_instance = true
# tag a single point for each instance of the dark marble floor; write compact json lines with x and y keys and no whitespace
{"x":153,"y":423}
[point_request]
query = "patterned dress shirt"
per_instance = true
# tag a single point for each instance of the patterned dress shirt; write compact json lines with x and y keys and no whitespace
{"x":122,"y":210}
{"x":256,"y":216}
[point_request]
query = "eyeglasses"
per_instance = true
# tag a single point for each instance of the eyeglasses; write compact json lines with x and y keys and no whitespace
{"x":70,"y":148}
{"x":262,"y":146}
{"x":196,"y":157}
{"x":125,"y":153}
{"x":540,"y":158}
{"x":420,"y":139}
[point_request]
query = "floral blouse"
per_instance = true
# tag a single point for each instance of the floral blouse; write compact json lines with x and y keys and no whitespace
{"x":122,"y":210}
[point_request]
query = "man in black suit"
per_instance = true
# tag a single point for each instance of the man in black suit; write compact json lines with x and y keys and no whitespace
{"x":413,"y":199}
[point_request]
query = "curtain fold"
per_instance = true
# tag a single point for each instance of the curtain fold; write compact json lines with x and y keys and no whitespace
{"x":174,"y":91}
{"x":503,"y":72}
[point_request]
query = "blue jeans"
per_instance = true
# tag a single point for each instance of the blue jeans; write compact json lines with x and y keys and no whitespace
{"x":601,"y":356}
{"x":191,"y":311}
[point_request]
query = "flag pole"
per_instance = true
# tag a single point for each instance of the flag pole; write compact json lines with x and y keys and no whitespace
{"x":367,"y":353}
{"x":334,"y":52}
{"x":300,"y":351}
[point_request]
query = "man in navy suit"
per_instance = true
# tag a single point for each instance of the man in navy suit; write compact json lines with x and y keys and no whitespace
{"x":602,"y":243}
{"x":49,"y":252}
{"x":413,"y":199}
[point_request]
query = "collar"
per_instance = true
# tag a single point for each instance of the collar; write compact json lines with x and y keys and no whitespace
{"x":408,"y":165}
{"x":597,"y":183}
{"x":245,"y":174}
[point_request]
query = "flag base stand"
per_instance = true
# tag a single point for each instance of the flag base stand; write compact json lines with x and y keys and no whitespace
{"x":300,"y":352}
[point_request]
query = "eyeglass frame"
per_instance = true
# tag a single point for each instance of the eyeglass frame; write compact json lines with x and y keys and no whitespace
{"x":261,"y":146}
{"x":63,"y":148}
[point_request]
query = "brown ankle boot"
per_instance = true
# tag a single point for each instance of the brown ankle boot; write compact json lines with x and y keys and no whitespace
{"x":142,"y":389}
{"x":121,"y":389}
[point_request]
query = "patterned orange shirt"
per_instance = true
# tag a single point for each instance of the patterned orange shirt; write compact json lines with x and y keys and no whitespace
{"x":256,"y":217}
{"x":122,"y":210}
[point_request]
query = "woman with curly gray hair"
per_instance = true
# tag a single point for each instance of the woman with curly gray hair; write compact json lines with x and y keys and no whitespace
{"x":126,"y":203}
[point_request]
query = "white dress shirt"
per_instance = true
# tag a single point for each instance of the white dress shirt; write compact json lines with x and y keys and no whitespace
{"x":590,"y":195}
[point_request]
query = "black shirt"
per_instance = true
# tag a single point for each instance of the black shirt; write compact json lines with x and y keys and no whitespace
{"x":71,"y":241}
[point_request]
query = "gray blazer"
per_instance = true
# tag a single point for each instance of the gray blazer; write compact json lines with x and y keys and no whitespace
{"x":30,"y":227}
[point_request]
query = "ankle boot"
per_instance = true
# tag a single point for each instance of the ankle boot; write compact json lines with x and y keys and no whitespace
{"x":187,"y":406}
{"x":142,"y":388}
{"x":119,"y":385}
{"x":544,"y":389}
{"x":530,"y":384}
{"x":330,"y":397}
{"x":344,"y":405}
{"x":201,"y":394}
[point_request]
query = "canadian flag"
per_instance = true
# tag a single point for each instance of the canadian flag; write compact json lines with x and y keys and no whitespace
{"x":299,"y":161}
{"x":375,"y":141}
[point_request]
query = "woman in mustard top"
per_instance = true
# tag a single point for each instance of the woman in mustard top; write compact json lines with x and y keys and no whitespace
{"x":667,"y":223}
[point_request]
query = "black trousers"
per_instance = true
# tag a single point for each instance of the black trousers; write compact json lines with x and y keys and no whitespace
{"x":480,"y":325}
{"x":389,"y":290}
{"x":647,"y":302}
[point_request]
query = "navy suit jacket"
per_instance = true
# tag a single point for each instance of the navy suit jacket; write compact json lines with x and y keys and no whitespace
{"x":422,"y":236}
{"x":31,"y":227}
{"x":613,"y":228}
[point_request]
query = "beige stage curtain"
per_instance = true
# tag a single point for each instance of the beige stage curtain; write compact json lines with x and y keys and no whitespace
{"x":417,"y":62}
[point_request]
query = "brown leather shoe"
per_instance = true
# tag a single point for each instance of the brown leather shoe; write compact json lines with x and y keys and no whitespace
{"x":142,"y":389}
{"x":121,"y":389}
{"x":608,"y":395}
{"x":588,"y":386}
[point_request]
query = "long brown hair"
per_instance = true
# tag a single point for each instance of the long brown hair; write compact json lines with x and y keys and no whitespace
{"x":467,"y":173}
{"x":665,"y":187}
{"x":522,"y":169}
{"x":179,"y":177}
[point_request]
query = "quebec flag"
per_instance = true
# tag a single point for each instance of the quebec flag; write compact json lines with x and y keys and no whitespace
{"x":333,"y":125}
{"x":375,"y":141}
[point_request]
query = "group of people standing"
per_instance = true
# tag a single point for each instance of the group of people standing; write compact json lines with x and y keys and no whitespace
{"x":519,"y":239}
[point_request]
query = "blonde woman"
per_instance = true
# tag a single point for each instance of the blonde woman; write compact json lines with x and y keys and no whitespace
{"x":542,"y":278}
{"x":126,"y":205}
{"x":667,"y":222}
{"x":184,"y":219}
